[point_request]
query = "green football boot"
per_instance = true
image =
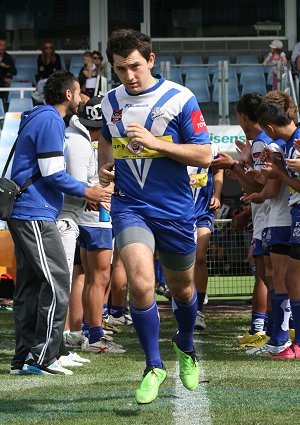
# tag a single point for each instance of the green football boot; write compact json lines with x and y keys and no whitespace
{"x":188,"y":367}
{"x":147,"y":391}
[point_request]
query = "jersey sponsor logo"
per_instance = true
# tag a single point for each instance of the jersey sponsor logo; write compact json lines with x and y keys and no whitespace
{"x":156,"y":112}
{"x":116,"y":116}
{"x":134,"y":105}
{"x":124,"y":149}
{"x":135,"y":147}
{"x":198,"y":121}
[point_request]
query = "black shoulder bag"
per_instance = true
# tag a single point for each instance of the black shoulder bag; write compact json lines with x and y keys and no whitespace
{"x":9,"y":190}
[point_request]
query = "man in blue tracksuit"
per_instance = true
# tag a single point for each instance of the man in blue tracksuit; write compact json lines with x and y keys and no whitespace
{"x":43,"y":282}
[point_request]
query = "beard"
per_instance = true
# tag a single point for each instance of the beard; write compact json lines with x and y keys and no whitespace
{"x":72,"y":108}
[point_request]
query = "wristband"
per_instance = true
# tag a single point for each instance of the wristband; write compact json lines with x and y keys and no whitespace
{"x":233,"y":165}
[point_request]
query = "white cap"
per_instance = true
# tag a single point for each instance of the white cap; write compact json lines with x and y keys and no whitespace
{"x":276,"y":44}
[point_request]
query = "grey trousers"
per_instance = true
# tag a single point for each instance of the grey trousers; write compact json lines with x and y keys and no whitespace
{"x":42,"y":290}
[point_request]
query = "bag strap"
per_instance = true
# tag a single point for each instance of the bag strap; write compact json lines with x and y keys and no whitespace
{"x":30,"y":180}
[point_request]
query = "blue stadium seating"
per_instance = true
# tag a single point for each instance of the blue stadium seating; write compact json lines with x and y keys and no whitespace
{"x":250,"y":86}
{"x":200,"y":88}
{"x":20,"y":105}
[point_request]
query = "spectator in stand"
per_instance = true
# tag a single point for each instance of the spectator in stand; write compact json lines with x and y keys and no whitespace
{"x":48,"y":61}
{"x":88,"y":75}
{"x":98,"y":61}
{"x":7,"y":67}
{"x":295,"y":59}
{"x":275,"y":56}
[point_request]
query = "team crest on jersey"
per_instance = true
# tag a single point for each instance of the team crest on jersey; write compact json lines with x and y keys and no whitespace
{"x":156,"y":112}
{"x":135,"y":147}
{"x":116,"y":116}
{"x":198,"y":121}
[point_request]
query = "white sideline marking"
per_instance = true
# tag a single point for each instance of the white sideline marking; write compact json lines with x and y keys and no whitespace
{"x":191,"y":407}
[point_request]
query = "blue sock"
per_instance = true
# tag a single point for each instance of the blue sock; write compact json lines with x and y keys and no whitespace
{"x":185,"y":315}
{"x":295,"y":307}
{"x":85,"y":328}
{"x":105,"y":310}
{"x":269,"y":322}
{"x":200,"y":300}
{"x":281,"y":315}
{"x":146,"y":324}
{"x":159,"y":274}
{"x":116,"y":311}
{"x":96,"y":332}
{"x":257,"y":322}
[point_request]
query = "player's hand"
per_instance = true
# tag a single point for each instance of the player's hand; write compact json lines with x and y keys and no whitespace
{"x":224,"y":161}
{"x":214,"y":204}
{"x":244,"y":150}
{"x":293,"y":164}
{"x":98,"y":193}
{"x":139,"y":135}
{"x":106,"y":174}
{"x":258,"y":176}
{"x":271,"y":170}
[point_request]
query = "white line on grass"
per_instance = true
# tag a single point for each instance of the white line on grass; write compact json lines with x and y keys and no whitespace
{"x":191,"y":407}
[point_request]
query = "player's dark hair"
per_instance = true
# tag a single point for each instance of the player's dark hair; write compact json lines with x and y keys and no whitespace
{"x":56,"y":86}
{"x":272,"y":113}
{"x":248,"y":105}
{"x":124,"y":41}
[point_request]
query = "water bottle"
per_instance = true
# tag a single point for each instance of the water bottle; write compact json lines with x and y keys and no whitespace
{"x":103,"y":214}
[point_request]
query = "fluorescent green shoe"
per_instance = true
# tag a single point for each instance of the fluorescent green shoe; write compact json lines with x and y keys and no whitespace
{"x":148,"y":389}
{"x":188,"y":367}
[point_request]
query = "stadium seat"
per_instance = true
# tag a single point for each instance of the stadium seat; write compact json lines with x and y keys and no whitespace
{"x":252,"y":72}
{"x":77,"y":61}
{"x":250,"y":86}
{"x":245,"y":59}
{"x":75,"y":69}
{"x":20,"y":105}
{"x":165,"y":58}
{"x":213,"y":61}
{"x":9,"y":134}
{"x":175,"y":75}
{"x":13,"y":94}
{"x":197,"y":73}
{"x":25,"y":75}
{"x":190,"y":60}
{"x":2,"y":113}
{"x":233,"y":91}
{"x":62,"y":61}
{"x":232,"y":75}
{"x":200,"y":88}
{"x":26,"y":62}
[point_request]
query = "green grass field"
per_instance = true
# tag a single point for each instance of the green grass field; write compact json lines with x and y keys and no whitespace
{"x":235,"y":388}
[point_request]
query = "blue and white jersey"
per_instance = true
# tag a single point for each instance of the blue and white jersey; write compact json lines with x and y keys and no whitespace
{"x":277,"y":212}
{"x":290,"y":152}
{"x":147,"y":182}
{"x":258,"y":144}
{"x":203,"y":190}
